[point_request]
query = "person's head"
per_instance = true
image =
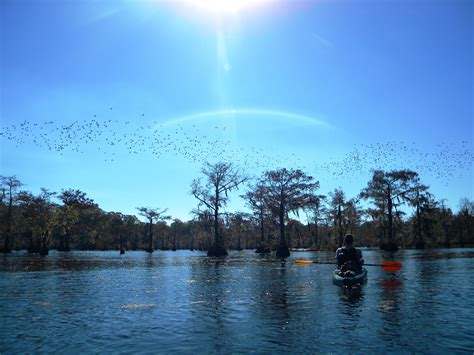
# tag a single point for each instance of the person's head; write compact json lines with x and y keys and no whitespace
{"x":348,"y":239}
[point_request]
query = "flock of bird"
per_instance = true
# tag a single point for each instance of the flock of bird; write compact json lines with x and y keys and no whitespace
{"x":196,"y":142}
{"x":113,"y":138}
{"x":445,"y":162}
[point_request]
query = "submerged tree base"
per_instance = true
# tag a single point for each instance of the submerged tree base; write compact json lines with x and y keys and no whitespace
{"x":262,"y":249}
{"x":390,"y":246}
{"x":282,"y":252}
{"x":420,"y":244}
{"x":33,"y":250}
{"x":217,"y":251}
{"x":149,"y":250}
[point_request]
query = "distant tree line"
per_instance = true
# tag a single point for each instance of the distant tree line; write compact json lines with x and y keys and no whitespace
{"x":279,"y":201}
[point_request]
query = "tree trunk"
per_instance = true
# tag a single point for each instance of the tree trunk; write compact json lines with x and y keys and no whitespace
{"x":447,"y":244}
{"x":461,"y":236}
{"x":61,"y":243}
{"x":122,"y":245}
{"x":282,"y":251}
{"x":7,"y":246}
{"x":419,"y":244}
{"x":390,"y":220}
{"x":391,"y":245}
{"x":150,"y":236}
{"x":262,"y":247}
{"x":216,"y":225}
{"x":33,"y":247}
{"x":162,"y":239}
{"x":339,"y":222}
{"x":44,"y":250}
{"x":65,"y":242}
{"x":316,"y":234}
{"x":217,"y":248}
{"x":239,"y":246}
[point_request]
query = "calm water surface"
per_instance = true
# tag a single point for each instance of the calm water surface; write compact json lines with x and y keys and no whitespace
{"x":96,"y":302}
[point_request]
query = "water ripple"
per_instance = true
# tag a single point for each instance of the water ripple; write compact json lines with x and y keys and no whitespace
{"x":185,"y":302}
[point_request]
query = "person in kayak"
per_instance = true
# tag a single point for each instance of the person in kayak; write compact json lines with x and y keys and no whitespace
{"x":349,"y":259}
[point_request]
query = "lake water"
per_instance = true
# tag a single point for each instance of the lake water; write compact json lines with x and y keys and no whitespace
{"x":184,"y":302}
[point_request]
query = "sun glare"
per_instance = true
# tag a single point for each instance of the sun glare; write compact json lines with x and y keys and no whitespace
{"x":225,"y":6}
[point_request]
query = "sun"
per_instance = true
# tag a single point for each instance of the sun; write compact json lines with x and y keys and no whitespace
{"x":222,"y":7}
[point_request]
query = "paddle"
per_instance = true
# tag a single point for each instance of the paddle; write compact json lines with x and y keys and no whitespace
{"x":386,"y":265}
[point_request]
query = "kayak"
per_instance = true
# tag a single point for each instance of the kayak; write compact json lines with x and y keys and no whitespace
{"x":341,"y":280}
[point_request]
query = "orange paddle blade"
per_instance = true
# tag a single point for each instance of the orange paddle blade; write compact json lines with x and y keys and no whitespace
{"x":391,"y":265}
{"x":303,"y":261}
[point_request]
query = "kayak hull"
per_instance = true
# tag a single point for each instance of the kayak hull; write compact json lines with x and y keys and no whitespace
{"x":349,"y":281}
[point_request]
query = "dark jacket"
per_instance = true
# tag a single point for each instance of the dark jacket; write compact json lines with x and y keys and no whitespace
{"x":349,"y":257}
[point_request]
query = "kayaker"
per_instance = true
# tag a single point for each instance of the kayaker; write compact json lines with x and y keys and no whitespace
{"x":349,"y":259}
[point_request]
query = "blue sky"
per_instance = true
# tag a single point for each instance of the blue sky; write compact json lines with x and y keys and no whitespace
{"x":126,"y":99}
